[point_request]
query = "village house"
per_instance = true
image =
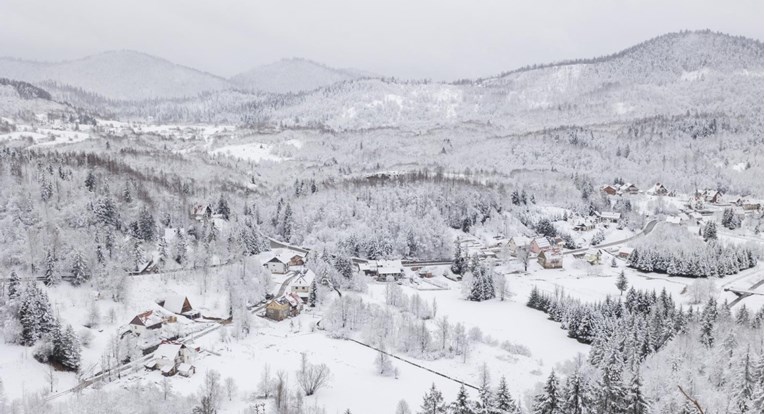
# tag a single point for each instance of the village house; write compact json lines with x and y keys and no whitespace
{"x":625,"y":252}
{"x":540,"y":244}
{"x":583,"y":224}
{"x":629,"y":188}
{"x":550,"y":259}
{"x":609,"y":189}
{"x":180,"y":305}
{"x":659,"y":190}
{"x":609,"y":217}
{"x":302,"y":284}
{"x":748,"y":204}
{"x":382,"y":269}
{"x":170,"y":356}
{"x":201,"y":212}
{"x":711,"y":196}
{"x":518,"y":242}
{"x":284,"y":307}
{"x":279,"y":261}
{"x":145,"y":321}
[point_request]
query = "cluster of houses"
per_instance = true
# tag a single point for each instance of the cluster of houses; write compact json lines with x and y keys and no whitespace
{"x":658,"y":189}
{"x":546,"y":249}
{"x":172,"y":307}
{"x":382,"y":270}
{"x":280,"y":261}
{"x":172,"y":358}
{"x":615,"y":189}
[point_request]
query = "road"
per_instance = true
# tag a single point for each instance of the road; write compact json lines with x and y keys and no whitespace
{"x":414,"y":364}
{"x":744,"y":294}
{"x":647,"y":229}
{"x":146,"y":358}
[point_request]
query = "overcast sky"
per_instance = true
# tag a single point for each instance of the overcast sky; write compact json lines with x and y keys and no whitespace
{"x":438,"y":39}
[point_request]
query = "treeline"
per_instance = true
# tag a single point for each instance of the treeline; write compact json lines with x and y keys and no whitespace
{"x":713,"y":260}
{"x":624,"y":334}
{"x":33,"y":322}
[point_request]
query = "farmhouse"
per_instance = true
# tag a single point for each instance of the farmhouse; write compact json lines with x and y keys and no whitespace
{"x":550,"y":259}
{"x":609,"y":217}
{"x":625,"y":252}
{"x":302,"y":284}
{"x":169,"y":357}
{"x":278,"y":264}
{"x":609,"y":189}
{"x":747,"y":204}
{"x":629,"y":188}
{"x":711,"y":196}
{"x":518,"y":242}
{"x":583,"y":224}
{"x":540,"y":244}
{"x":382,"y":269}
{"x":180,"y":305}
{"x":659,"y":190}
{"x":284,"y":307}
{"x":201,"y":212}
{"x":145,"y":321}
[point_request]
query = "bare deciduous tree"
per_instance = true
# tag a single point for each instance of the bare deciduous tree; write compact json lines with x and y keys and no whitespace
{"x":312,"y":377}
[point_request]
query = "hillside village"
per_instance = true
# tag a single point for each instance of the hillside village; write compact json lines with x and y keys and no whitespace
{"x":288,"y":265}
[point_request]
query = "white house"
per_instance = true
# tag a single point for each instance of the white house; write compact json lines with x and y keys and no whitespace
{"x":145,"y":321}
{"x":518,"y":242}
{"x":180,"y":305}
{"x":302,"y":284}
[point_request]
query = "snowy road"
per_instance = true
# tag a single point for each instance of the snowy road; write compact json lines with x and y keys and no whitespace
{"x":647,"y":229}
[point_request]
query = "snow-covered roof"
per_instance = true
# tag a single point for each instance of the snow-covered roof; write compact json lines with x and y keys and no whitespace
{"x":521,"y":240}
{"x":167,"y":351}
{"x":542,"y":242}
{"x":184,"y":367}
{"x":148,"y":318}
{"x":305,"y":278}
{"x":174,"y":303}
{"x":389,"y":267}
{"x":610,"y":215}
{"x":281,"y":255}
{"x":626,"y":250}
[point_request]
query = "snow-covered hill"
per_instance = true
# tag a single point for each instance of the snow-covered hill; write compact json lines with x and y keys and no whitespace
{"x":117,"y":75}
{"x":294,"y":75}
{"x":671,"y":74}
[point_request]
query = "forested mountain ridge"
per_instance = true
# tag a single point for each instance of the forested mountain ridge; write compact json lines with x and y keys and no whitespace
{"x":292,"y":76}
{"x":126,"y":75}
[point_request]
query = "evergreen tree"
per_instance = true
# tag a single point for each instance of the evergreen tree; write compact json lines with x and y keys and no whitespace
{"x":576,"y":398}
{"x":223,"y":208}
{"x":744,"y":382}
{"x":708,"y":319}
{"x":636,"y":403}
{"x":710,"y":231}
{"x":287,"y":223}
{"x":548,"y":402}
{"x":621,"y":282}
{"x":50,"y":276}
{"x":313,"y":293}
{"x":433,"y":402}
{"x":80,"y":271}
{"x":611,"y":392}
{"x":504,"y":402}
{"x":14,"y":286}
{"x":146,"y":225}
{"x":462,"y":404}
{"x":90,"y":181}
{"x":70,"y":356}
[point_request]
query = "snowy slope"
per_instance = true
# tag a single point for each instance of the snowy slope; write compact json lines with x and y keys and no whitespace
{"x":293,"y":75}
{"x":117,"y":75}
